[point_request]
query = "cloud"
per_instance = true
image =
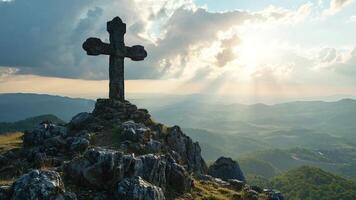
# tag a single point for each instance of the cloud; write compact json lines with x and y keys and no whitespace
{"x":45,"y":37}
{"x":353,"y":18}
{"x":336,"y":6}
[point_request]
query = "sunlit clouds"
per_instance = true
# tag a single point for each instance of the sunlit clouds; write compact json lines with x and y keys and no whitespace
{"x":305,"y":49}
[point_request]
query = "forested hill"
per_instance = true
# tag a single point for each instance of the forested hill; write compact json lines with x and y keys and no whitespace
{"x":310,"y":183}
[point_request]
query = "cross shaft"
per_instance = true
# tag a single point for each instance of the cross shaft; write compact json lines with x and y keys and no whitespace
{"x":117,"y":51}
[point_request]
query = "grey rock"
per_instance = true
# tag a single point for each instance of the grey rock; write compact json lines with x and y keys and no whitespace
{"x":38,"y":185}
{"x":80,"y":120}
{"x":154,"y":146}
{"x":98,"y":168}
{"x":205,"y":177}
{"x":226,"y":168}
{"x":135,"y":132}
{"x":178,"y":178}
{"x":236,"y":184}
{"x":57,"y":142}
{"x":78,"y":144}
{"x":70,"y":196}
{"x":138,"y":189}
{"x":101,"y":168}
{"x":189,"y":151}
{"x":44,"y":131}
{"x":273,"y":194}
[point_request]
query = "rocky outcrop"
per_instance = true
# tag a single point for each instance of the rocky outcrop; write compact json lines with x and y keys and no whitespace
{"x":39,"y":184}
{"x":226,"y":168}
{"x":48,"y":143}
{"x":189,"y":153}
{"x":114,"y":111}
{"x":97,"y":168}
{"x":115,"y":152}
{"x":273,"y":194}
{"x":44,"y":132}
{"x":138,"y":189}
{"x":101,"y":168}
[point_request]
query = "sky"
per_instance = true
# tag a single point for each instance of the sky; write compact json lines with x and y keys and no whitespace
{"x":266,"y":48}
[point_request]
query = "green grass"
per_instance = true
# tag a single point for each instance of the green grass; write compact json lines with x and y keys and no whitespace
{"x":310,"y":183}
{"x":205,"y":190}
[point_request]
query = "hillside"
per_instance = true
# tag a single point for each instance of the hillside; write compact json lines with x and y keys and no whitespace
{"x":269,"y":163}
{"x":309,"y":183}
{"x":14,"y":107}
{"x":27,"y":124}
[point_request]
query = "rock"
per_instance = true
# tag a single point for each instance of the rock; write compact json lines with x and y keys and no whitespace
{"x":3,"y":160}
{"x":138,"y":189}
{"x":56,"y":142}
{"x":152,"y":169}
{"x":70,"y":196}
{"x":162,"y":171}
{"x":44,"y":131}
{"x":249,"y":194}
{"x":116,"y":111}
{"x":98,"y":168}
{"x":209,"y":178}
{"x":135,"y":132}
{"x":226,"y":168}
{"x":154,"y":146}
{"x":236,"y":184}
{"x":81,"y":120}
{"x":177,"y":178}
{"x":101,"y":168}
{"x":78,"y":144}
{"x":38,"y":185}
{"x":273,"y":194}
{"x":189,"y":152}
{"x":5,"y":193}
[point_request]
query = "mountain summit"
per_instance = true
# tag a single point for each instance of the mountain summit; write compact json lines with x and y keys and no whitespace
{"x":116,"y":152}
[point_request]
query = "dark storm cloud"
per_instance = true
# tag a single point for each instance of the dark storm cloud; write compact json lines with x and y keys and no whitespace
{"x":44,"y":37}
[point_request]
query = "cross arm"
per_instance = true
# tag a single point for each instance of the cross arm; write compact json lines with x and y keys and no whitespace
{"x":136,"y":53}
{"x":95,"y":47}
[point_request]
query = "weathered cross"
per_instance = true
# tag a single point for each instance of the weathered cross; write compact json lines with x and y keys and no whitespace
{"x":117,"y":52}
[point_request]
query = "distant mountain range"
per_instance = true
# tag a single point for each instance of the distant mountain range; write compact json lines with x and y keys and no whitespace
{"x":27,"y":124}
{"x":14,"y":107}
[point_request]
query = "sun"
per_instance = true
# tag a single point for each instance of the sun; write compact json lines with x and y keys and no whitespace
{"x":258,"y":48}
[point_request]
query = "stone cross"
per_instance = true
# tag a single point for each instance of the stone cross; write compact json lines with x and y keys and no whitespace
{"x":117,"y":52}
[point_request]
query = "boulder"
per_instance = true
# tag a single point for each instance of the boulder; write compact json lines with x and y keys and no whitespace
{"x":116,"y":111}
{"x":236,"y":184}
{"x":138,"y":189}
{"x":154,"y":146}
{"x":189,"y":152}
{"x":273,"y":194}
{"x":80,"y":120}
{"x":135,"y":132}
{"x":78,"y":144}
{"x":38,"y":185}
{"x":177,"y":178}
{"x":42,"y":133}
{"x":102,"y":168}
{"x":98,"y":168}
{"x":226,"y":168}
